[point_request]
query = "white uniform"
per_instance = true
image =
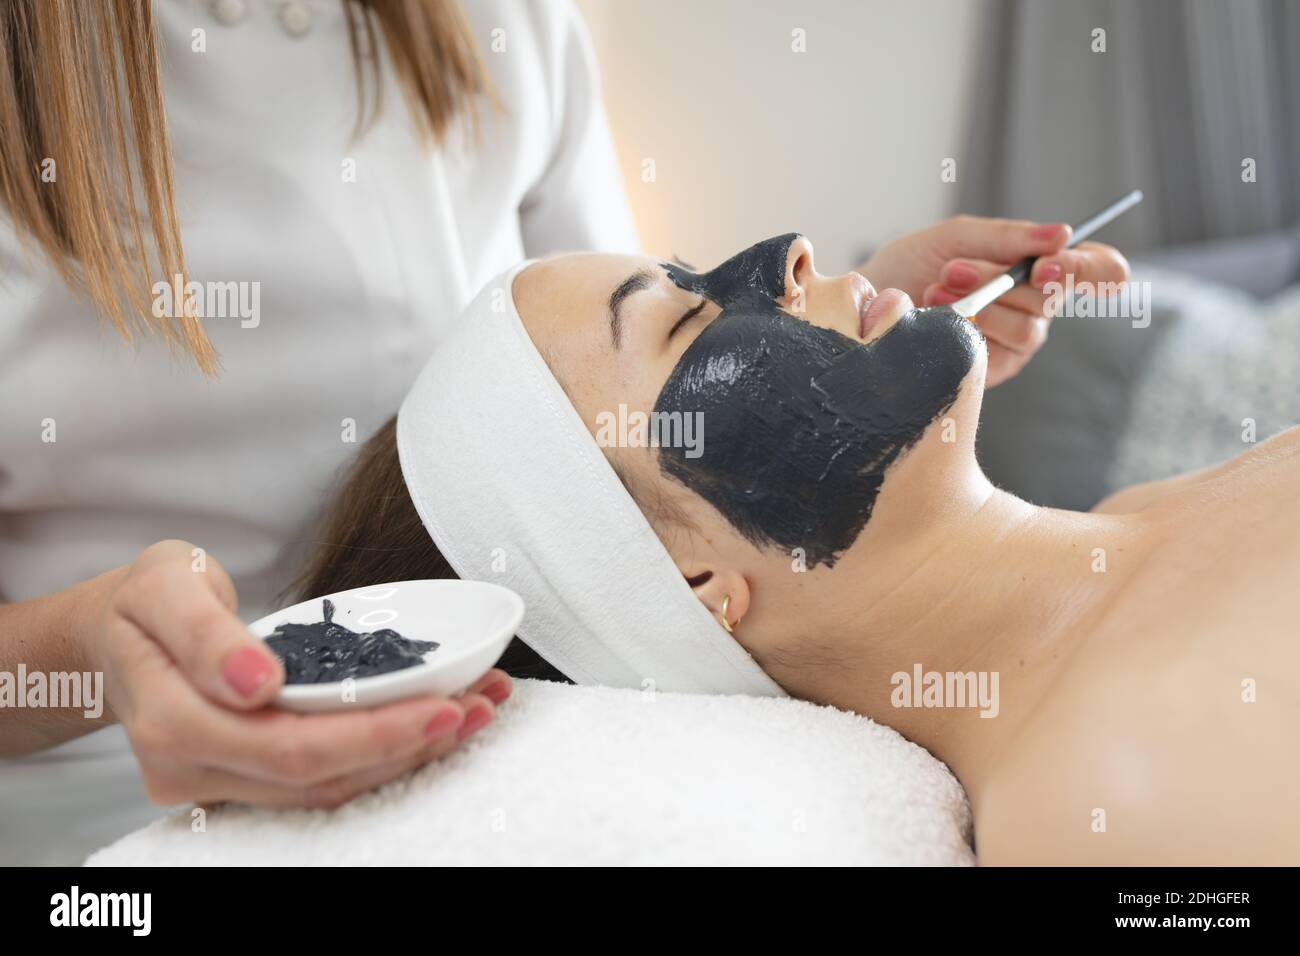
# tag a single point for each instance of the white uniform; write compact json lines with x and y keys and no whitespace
{"x":363,"y":253}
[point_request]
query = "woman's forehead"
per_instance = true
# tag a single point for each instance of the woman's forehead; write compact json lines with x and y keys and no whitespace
{"x":578,"y":270}
{"x":571,"y":294}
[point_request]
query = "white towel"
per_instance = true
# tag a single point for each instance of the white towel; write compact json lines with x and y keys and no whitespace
{"x":513,"y":489}
{"x":591,"y":775}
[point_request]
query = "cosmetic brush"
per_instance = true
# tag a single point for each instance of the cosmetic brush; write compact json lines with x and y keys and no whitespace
{"x":986,"y":294}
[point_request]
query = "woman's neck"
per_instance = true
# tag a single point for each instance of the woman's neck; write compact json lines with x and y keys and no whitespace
{"x":983,"y":624}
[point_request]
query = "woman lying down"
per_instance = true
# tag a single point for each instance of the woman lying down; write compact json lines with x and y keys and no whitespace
{"x":1117,"y":686}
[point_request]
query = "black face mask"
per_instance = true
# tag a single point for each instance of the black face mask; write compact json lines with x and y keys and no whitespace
{"x":801,"y":422}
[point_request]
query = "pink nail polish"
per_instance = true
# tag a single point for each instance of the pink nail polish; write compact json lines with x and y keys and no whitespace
{"x":475,"y":721}
{"x":1048,"y":273}
{"x":1045,"y":231}
{"x":246,"y":670}
{"x":442,"y":723}
{"x":962,"y":276}
{"x":497,"y":691}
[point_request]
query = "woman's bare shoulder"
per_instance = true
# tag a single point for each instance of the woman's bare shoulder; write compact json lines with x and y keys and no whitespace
{"x":1149,"y":759}
{"x":1280,"y":448}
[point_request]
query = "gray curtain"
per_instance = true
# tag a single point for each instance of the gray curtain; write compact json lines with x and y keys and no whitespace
{"x":1185,"y":91}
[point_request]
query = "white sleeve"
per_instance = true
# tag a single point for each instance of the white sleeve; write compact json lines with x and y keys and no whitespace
{"x":578,"y":203}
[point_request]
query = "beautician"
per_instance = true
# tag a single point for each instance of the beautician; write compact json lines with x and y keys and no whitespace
{"x":337,"y":185}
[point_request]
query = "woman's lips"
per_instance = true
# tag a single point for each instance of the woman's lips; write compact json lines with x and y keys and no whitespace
{"x":888,"y":302}
{"x":863,"y":294}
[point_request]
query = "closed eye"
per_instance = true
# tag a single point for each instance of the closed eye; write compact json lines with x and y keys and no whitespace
{"x":686,"y":317}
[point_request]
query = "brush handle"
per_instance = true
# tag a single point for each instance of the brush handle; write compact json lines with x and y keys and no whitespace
{"x":1020,"y":272}
{"x":1104,"y":217}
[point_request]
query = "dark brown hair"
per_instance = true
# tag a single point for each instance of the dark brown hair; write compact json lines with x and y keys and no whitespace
{"x":372,"y":534}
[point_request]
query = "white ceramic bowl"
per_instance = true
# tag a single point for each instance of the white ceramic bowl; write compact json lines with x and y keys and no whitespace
{"x":472,"y":621}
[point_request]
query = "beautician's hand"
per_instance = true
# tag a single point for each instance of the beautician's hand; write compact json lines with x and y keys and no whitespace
{"x":944,"y":262}
{"x":190,"y":685}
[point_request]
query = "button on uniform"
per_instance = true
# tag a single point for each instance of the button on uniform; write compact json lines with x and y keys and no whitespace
{"x":296,"y":18}
{"x":229,"y":12}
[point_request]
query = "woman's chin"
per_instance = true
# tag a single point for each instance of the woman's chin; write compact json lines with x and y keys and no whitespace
{"x":892,"y":306}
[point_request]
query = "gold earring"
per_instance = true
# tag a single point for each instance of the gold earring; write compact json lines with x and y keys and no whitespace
{"x":726,"y":606}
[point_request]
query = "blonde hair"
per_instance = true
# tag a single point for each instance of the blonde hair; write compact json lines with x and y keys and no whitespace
{"x":85,"y":160}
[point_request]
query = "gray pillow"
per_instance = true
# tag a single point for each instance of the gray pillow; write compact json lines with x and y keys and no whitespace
{"x":1225,"y":376}
{"x":1062,"y":434}
{"x":1050,"y":434}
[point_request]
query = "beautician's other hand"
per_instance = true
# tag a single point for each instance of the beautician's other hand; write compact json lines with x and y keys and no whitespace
{"x":946,"y":261}
{"x":190,"y":684}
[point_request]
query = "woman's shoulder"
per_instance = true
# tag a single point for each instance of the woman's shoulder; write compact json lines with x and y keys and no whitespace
{"x":1133,"y":777}
{"x":1274,"y":461}
{"x":544,"y":27}
{"x":538,"y":56}
{"x":1172,"y":712}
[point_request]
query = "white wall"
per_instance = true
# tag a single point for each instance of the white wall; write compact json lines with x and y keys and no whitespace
{"x":842,"y":142}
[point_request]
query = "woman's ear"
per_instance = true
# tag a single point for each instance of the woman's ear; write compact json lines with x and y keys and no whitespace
{"x":718,"y":587}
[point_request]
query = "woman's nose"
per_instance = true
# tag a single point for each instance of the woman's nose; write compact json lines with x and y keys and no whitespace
{"x":799,"y":273}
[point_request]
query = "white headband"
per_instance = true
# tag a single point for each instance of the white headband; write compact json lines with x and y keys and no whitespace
{"x":513,"y":488}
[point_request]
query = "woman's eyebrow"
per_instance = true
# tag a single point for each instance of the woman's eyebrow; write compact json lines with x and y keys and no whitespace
{"x":641,"y":279}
